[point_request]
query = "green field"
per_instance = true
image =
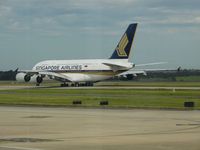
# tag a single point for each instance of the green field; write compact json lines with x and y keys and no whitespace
{"x":188,"y":78}
{"x":118,"y":98}
{"x":149,"y":84}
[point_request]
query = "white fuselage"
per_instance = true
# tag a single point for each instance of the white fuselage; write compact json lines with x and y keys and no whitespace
{"x":84,"y":70}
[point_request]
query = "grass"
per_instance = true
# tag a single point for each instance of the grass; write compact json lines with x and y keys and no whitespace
{"x":188,"y":82}
{"x":188,"y":78}
{"x":150,"y":84}
{"x":122,"y":98}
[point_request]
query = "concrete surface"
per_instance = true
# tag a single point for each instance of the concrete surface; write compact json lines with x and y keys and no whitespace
{"x":38,"y":128}
{"x":10,"y":87}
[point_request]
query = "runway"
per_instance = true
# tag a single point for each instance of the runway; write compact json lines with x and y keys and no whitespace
{"x":14,"y":87}
{"x":101,"y":87}
{"x":39,"y":128}
{"x":132,"y":87}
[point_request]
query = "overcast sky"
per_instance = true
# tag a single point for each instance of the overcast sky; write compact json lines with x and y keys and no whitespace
{"x":36,"y":30}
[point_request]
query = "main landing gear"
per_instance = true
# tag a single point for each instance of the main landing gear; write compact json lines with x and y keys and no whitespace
{"x":76,"y":84}
{"x":64,"y":85}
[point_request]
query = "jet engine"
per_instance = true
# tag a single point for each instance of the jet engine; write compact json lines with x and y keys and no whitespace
{"x":23,"y":77}
{"x":130,"y":76}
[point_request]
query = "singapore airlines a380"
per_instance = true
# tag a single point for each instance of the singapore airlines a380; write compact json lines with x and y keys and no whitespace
{"x":84,"y":72}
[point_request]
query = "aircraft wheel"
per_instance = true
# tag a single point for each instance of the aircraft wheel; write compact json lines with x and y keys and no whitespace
{"x":89,"y":84}
{"x":64,"y":85}
{"x":76,"y":85}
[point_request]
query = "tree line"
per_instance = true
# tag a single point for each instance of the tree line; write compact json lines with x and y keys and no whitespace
{"x":166,"y":74}
{"x":8,"y":75}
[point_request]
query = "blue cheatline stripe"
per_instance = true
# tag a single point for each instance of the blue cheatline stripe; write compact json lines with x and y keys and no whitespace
{"x":95,"y":72}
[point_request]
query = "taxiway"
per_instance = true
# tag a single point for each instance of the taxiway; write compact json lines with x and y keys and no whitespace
{"x":39,"y":128}
{"x":101,"y":87}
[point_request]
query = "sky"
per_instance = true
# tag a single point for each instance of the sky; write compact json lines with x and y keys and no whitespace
{"x":36,"y":30}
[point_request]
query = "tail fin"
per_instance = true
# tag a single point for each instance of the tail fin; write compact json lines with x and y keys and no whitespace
{"x":123,"y":48}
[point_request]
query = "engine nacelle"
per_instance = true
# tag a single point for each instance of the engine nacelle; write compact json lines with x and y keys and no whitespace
{"x":23,"y":77}
{"x":130,"y":76}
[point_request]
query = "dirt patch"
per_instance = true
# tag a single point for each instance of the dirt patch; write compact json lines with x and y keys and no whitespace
{"x":38,"y":117}
{"x":21,"y":140}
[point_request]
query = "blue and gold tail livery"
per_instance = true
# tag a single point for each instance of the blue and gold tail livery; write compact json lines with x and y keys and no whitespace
{"x":123,"y":48}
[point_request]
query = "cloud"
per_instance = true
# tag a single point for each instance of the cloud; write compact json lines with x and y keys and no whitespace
{"x":49,"y":22}
{"x":178,"y":5}
{"x":51,"y":15}
{"x":5,"y":10}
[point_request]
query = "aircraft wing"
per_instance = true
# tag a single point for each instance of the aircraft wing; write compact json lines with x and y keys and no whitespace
{"x":51,"y":75}
{"x":141,"y":71}
{"x":133,"y":72}
{"x":29,"y":72}
{"x":56,"y":76}
{"x":136,"y":71}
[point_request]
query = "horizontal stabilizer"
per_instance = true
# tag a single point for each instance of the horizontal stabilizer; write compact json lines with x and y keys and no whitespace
{"x":150,"y":64}
{"x":118,"y":65}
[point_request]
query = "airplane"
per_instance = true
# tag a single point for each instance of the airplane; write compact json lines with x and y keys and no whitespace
{"x":84,"y":72}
